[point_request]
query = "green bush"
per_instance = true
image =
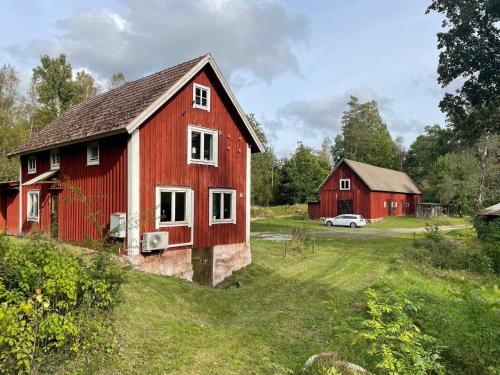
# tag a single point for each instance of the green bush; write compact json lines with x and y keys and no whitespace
{"x":397,"y":344}
{"x":52,"y":302}
{"x":440,"y":251}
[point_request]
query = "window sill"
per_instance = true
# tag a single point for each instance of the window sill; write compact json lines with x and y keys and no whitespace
{"x":54,"y":168}
{"x":90,"y":164}
{"x":172,"y":225}
{"x":32,"y":172}
{"x":232,"y":221}
{"x":197,"y":106}
{"x":32,"y":220}
{"x":203,"y":162}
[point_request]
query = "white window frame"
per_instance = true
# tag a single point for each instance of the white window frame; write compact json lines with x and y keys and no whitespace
{"x":348,"y":180}
{"x":199,"y":106}
{"x":89,"y":146}
{"x":215,"y":137}
{"x":407,"y":204}
{"x":189,"y":206}
{"x":28,"y":206}
{"x":385,"y":204}
{"x":32,"y":169}
{"x":55,"y":165}
{"x":213,"y":221}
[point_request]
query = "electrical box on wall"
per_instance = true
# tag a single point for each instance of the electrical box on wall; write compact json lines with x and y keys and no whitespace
{"x":118,"y":225}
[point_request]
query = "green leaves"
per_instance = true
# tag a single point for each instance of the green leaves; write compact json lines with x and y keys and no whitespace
{"x":52,"y":301}
{"x":396,"y":342}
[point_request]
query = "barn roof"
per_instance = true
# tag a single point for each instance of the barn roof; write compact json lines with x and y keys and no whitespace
{"x":125,"y":108}
{"x":491,"y":211}
{"x":380,"y":179}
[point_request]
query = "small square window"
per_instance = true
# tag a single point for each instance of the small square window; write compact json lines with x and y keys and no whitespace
{"x":33,"y":206}
{"x":31,"y":164}
{"x":345,"y":184}
{"x":54,"y":159}
{"x":202,"y":145}
{"x":222,"y":206}
{"x":201,"y":97}
{"x":173,"y":206}
{"x":93,"y":153}
{"x":407,"y":204}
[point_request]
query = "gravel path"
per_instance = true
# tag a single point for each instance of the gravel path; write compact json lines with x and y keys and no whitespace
{"x":353,"y":232}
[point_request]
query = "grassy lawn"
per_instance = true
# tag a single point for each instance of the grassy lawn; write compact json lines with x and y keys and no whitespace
{"x":286,"y":310}
{"x":413,"y":222}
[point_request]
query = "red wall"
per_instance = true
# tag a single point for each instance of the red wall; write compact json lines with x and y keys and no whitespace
{"x":104,"y":186}
{"x":368,"y":203}
{"x":330,"y":193}
{"x":163,"y":145}
{"x":9,"y":211}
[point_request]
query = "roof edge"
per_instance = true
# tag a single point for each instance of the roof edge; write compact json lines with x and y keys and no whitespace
{"x":148,"y":112}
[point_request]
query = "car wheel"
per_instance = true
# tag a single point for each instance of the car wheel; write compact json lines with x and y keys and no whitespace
{"x":353,"y":225}
{"x":329,"y":223}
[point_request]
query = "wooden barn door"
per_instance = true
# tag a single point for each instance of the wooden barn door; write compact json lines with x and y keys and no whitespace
{"x":344,"y":207}
{"x":202,"y":261}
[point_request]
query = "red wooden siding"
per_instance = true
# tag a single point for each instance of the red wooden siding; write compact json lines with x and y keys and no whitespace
{"x":9,"y":211}
{"x":330,"y":193}
{"x":104,"y":186}
{"x":368,"y":203}
{"x":163,"y":161}
{"x":313,"y":210}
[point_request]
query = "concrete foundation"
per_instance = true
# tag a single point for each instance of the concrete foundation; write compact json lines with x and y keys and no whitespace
{"x":229,"y":258}
{"x":176,"y":263}
{"x":225,"y":259}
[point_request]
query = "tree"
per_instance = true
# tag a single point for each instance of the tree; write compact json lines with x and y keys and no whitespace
{"x":364,"y":136}
{"x":470,"y":51}
{"x":86,"y":85}
{"x":300,"y":176}
{"x":452,"y":180}
{"x":117,"y":80}
{"x":53,"y":84}
{"x":9,"y":84}
{"x":401,"y":152}
{"x":426,"y":149}
{"x":325,"y":154}
{"x":263,"y":168}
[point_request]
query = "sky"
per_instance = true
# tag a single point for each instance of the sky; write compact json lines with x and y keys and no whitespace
{"x":294,"y":64}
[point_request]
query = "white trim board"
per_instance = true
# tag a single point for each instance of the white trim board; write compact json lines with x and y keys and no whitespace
{"x":144,"y":115}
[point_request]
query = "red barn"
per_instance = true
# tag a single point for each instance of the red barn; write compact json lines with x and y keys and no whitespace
{"x":364,"y":189}
{"x":164,"y":161}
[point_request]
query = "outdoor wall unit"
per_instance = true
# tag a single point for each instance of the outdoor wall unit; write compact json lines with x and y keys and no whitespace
{"x":118,"y":225}
{"x":154,"y":241}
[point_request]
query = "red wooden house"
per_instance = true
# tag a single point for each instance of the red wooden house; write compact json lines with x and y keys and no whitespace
{"x":168,"y":153}
{"x":364,"y":189}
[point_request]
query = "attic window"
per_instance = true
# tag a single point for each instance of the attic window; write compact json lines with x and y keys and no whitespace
{"x":345,"y":184}
{"x":93,"y":153}
{"x":54,"y":159}
{"x":201,"y":97}
{"x":32,"y":164}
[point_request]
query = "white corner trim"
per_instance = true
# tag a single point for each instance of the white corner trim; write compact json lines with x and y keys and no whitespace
{"x":248,"y":193}
{"x":144,"y":115}
{"x":133,"y":194}
{"x":20,"y":196}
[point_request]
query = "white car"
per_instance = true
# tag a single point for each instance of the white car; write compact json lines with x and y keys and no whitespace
{"x":352,"y":221}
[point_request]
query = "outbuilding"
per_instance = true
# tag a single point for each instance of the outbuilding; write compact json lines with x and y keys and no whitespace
{"x":358,"y":188}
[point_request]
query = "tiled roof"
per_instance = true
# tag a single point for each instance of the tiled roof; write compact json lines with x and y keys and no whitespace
{"x":380,"y":179}
{"x":109,"y":112}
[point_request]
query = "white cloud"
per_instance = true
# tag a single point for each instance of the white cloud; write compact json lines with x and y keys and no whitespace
{"x":250,"y":40}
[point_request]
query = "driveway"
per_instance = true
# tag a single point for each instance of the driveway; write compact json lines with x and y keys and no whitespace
{"x":353,"y":232}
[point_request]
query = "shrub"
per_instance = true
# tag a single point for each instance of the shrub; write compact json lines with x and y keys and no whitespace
{"x":395,"y":341}
{"x":52,"y":302}
{"x":439,"y":251}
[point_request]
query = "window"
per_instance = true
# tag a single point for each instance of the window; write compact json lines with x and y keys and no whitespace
{"x":54,"y":159}
{"x":33,"y":206}
{"x":202,"y":145}
{"x":93,"y":153}
{"x":31,"y":164}
{"x":222,"y":206}
{"x":385,"y":204}
{"x":407,"y":204}
{"x":345,"y":184}
{"x":201,"y":97}
{"x":173,"y":206}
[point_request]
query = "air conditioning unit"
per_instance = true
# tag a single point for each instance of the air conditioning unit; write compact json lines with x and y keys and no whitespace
{"x":118,"y":225}
{"x":154,"y":241}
